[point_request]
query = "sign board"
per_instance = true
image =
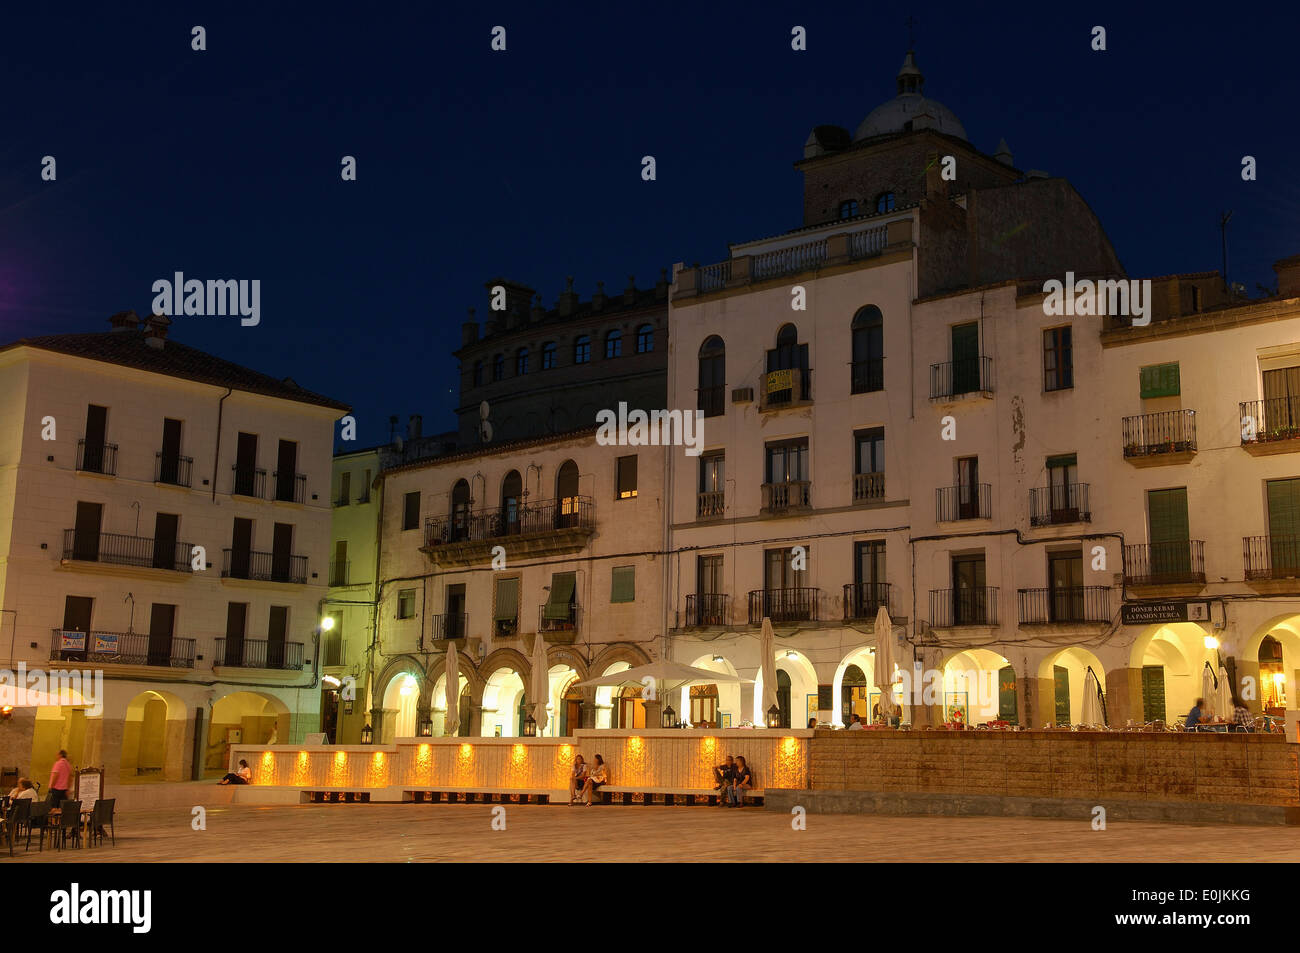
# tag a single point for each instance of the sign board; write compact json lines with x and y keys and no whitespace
{"x":316,"y":738}
{"x":90,"y":786}
{"x":1150,"y":613}
{"x":105,"y":643}
{"x":72,"y":641}
{"x":778,"y":381}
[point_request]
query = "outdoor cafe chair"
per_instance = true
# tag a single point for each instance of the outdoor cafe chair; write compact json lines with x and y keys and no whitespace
{"x":40,"y":821}
{"x":21,"y":814}
{"x":69,"y":823}
{"x":101,"y":816}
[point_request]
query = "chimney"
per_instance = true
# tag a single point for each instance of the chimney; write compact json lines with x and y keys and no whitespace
{"x":629,"y":293}
{"x":568,"y":301}
{"x":538,"y":312}
{"x":1288,"y":276}
{"x":598,"y":299}
{"x":469,"y":330}
{"x":661,"y":286}
{"x":155,"y":330}
{"x":414,"y":426}
{"x":124,"y":321}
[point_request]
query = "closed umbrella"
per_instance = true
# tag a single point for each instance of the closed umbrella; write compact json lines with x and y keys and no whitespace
{"x":1092,"y":716}
{"x":767,"y":652}
{"x":452,"y":721}
{"x":1225,"y":695}
{"x":540,"y":689}
{"x":884,"y":665}
{"x":1209,"y":693}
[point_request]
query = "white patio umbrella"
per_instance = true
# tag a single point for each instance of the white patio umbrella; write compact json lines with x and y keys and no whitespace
{"x":1209,"y":708}
{"x":884,"y":664}
{"x":1092,"y":716}
{"x":767,"y":652}
{"x":540,"y":687}
{"x":1225,"y":695}
{"x":452,"y":722}
{"x":662,"y":671}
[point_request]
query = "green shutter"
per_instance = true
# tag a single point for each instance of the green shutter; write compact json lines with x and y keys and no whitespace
{"x":1160,"y":380}
{"x":1153,"y":692}
{"x":1063,"y":460}
{"x":1007,"y":710}
{"x":623,"y":588}
{"x":507,"y":609}
{"x":562,"y":587}
{"x":1061,"y":676}
{"x":1283,"y":507}
{"x":1167,"y":515}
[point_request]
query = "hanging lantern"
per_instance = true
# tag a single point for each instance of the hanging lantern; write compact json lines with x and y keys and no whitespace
{"x":669,"y":717}
{"x":367,"y":735}
{"x":425,"y":728}
{"x":530,"y":727}
{"x":774,"y":717}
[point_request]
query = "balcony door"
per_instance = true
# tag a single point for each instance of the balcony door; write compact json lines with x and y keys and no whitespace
{"x":785,"y":587}
{"x":713,"y":482}
{"x":85,"y":533}
{"x":512,"y":491}
{"x":94,"y":453}
{"x":286,"y":472}
{"x":236,"y":623}
{"x":1065,"y":584}
{"x":76,"y":618}
{"x":1284,"y":526}
{"x":965,"y":358}
{"x":246,"y":465}
{"x":969,"y":596}
{"x":169,"y":463}
{"x":1063,"y":488}
{"x":241,"y":548}
{"x":454,"y":620}
{"x":162,"y":625}
{"x":276,"y":632}
{"x":968,"y":488}
{"x":282,"y":552}
{"x":165,"y":528}
{"x":869,"y":577}
{"x":1281,"y":399}
{"x":1169,"y":532}
{"x":789,"y":354}
{"x":566,"y":495}
{"x":708,"y":590}
{"x":787,"y":463}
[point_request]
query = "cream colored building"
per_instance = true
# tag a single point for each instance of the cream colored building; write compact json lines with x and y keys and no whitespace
{"x":164,"y":521}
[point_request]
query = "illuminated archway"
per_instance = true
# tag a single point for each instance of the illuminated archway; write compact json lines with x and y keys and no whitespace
{"x":251,"y":717}
{"x":503,"y":704}
{"x":153,"y":738}
{"x":972,"y":686}
{"x":803,"y":682}
{"x":727,"y":692}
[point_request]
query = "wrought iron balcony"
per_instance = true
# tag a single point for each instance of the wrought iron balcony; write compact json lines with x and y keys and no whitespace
{"x":125,"y":648}
{"x":708,"y":608}
{"x":712,"y":400}
{"x":526,"y":519}
{"x":783,"y":497}
{"x":1273,"y":420}
{"x":965,"y":502}
{"x":1061,"y":503}
{"x":867,"y":376}
{"x":248,"y":481}
{"x":970,"y":375}
{"x":862,"y":600}
{"x":868,"y":487}
{"x":173,"y":469}
{"x":1164,"y":564}
{"x":339,"y":570}
{"x":1272,"y":557}
{"x":784,"y":605}
{"x":452,"y":625}
{"x":1168,"y":432}
{"x":559,"y":618}
{"x":710,"y":505}
{"x":259,"y":653}
{"x":290,"y":487}
{"x":976,"y":606}
{"x":784,"y":388}
{"x":142,"y":552}
{"x":1064,"y":604}
{"x":97,"y":457}
{"x":263,"y":567}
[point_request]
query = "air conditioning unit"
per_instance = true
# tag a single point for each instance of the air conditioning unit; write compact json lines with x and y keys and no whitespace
{"x":742,"y":395}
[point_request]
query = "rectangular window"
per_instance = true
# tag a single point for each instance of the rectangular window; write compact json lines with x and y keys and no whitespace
{"x":1058,"y":359}
{"x":236,"y":625}
{"x":970,"y":604}
{"x":406,"y":603}
{"x":1169,"y":532}
{"x":623,"y":584}
{"x":165,"y":530}
{"x":277,"y":628}
{"x":781,"y":571}
{"x":505,"y":612}
{"x":1065,"y":585}
{"x":411,"y":511}
{"x":1064,"y":494}
{"x":345,"y":488}
{"x":787,"y":461}
{"x":1159,"y":380}
{"x":455,"y":619}
{"x":708,"y":574}
{"x":626,"y":473}
{"x":711,"y":502}
{"x":965,"y":358}
{"x":869,"y":450}
{"x":162,"y":625}
{"x":85,"y":532}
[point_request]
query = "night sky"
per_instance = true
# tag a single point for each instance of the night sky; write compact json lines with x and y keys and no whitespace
{"x":526,"y":164}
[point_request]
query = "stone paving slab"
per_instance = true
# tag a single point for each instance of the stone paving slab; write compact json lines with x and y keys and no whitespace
{"x":449,"y":832}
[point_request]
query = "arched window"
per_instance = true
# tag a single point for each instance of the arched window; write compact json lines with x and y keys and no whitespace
{"x":521,"y":361}
{"x":548,"y":355}
{"x":512,"y":489}
{"x":848,"y":208}
{"x":783,"y":696}
{"x":645,"y":339}
{"x":478,"y":373}
{"x":713,"y":376}
{"x":460,"y":510}
{"x":704,"y":706}
{"x":868,"y":366}
{"x":566,"y":495}
{"x":854,"y":696}
{"x":614,"y":344}
{"x":885,"y":202}
{"x":498,"y":367}
{"x":789,"y":354}
{"x":582,"y":349}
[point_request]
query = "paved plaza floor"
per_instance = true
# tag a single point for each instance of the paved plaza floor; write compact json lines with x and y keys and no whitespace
{"x":449,"y":832}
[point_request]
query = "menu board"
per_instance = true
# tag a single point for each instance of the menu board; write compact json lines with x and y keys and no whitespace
{"x":90,"y":786}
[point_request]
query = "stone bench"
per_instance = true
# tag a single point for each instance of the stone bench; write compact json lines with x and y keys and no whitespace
{"x":625,"y":794}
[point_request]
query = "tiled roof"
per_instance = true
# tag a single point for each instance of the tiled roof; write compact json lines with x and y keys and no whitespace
{"x":127,"y":348}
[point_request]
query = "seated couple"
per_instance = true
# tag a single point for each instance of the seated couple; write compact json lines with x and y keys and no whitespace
{"x":734,"y":779}
{"x":586,"y":780}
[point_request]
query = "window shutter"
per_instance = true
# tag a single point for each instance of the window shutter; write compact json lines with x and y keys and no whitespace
{"x":563,"y":585}
{"x":1167,"y":515}
{"x":1063,"y":460}
{"x":623,"y":588}
{"x":1160,"y":380}
{"x":507,"y":609}
{"x":1283,"y":507}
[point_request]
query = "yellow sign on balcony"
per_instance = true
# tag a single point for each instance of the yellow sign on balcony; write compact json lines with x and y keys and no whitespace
{"x":779,"y":381}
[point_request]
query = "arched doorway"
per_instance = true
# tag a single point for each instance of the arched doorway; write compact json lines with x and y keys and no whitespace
{"x":460,"y":503}
{"x":1171,"y":658}
{"x":783,"y":696}
{"x":729,"y":710}
{"x":243,"y":717}
{"x":153,"y":738}
{"x":566,"y":495}
{"x":438,"y":707}
{"x":1272,"y":677}
{"x":571,"y":708}
{"x":402,"y":700}
{"x":1068,"y":672}
{"x":512,"y":491}
{"x":973,"y":688}
{"x":505,"y":707}
{"x":630,"y":712}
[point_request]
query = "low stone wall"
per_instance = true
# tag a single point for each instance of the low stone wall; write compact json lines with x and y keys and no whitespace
{"x":1093,"y":765}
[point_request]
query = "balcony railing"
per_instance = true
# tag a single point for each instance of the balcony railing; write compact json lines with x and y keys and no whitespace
{"x":1064,"y":604}
{"x":544,"y":516}
{"x":966,"y":376}
{"x":1270,"y":420}
{"x":248,"y":481}
{"x":784,"y":605}
{"x":173,"y":469}
{"x":141,"y":552}
{"x":784,"y":388}
{"x":790,"y":495}
{"x":868,"y":242}
{"x":713,"y":400}
{"x":787,"y":261}
{"x":126,"y":648}
{"x":1272,"y":557}
{"x":868,"y":487}
{"x":97,"y":457}
{"x":862,"y":600}
{"x":1060,"y":503}
{"x":263,"y":567}
{"x":1162,"y":564}
{"x":710,"y":505}
{"x":715,"y":277}
{"x":562,"y":619}
{"x":290,"y":487}
{"x":259,"y":653}
{"x":339,"y":570}
{"x":708,"y":608}
{"x":867,"y":376}
{"x":975,"y":606}
{"x":964,"y":502}
{"x":1170,"y":431}
{"x":450,"y":625}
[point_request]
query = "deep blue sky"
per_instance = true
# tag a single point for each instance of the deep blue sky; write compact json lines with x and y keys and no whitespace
{"x":225,"y":164}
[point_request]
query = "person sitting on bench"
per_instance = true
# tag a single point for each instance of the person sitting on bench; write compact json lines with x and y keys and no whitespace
{"x":595,"y":778}
{"x":744,"y":782}
{"x":243,"y":776}
{"x":724,"y":774}
{"x":577,"y":778}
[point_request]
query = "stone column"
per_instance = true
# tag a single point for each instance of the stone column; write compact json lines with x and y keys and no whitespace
{"x":1124,"y":696}
{"x":1247,"y":672}
{"x":653,"y":713}
{"x":1037,"y":702}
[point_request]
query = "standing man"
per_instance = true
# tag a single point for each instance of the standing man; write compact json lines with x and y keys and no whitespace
{"x":60,"y":778}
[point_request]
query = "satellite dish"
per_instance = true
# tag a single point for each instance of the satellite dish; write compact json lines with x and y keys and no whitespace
{"x":483,"y":410}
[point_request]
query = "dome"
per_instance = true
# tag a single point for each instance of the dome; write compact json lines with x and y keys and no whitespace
{"x":910,"y":109}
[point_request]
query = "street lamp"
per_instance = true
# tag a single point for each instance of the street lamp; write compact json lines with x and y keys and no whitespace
{"x":669,"y":717}
{"x":326,"y":623}
{"x":530,"y":727}
{"x":774,"y":717}
{"x":367,"y":735}
{"x":1211,"y":643}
